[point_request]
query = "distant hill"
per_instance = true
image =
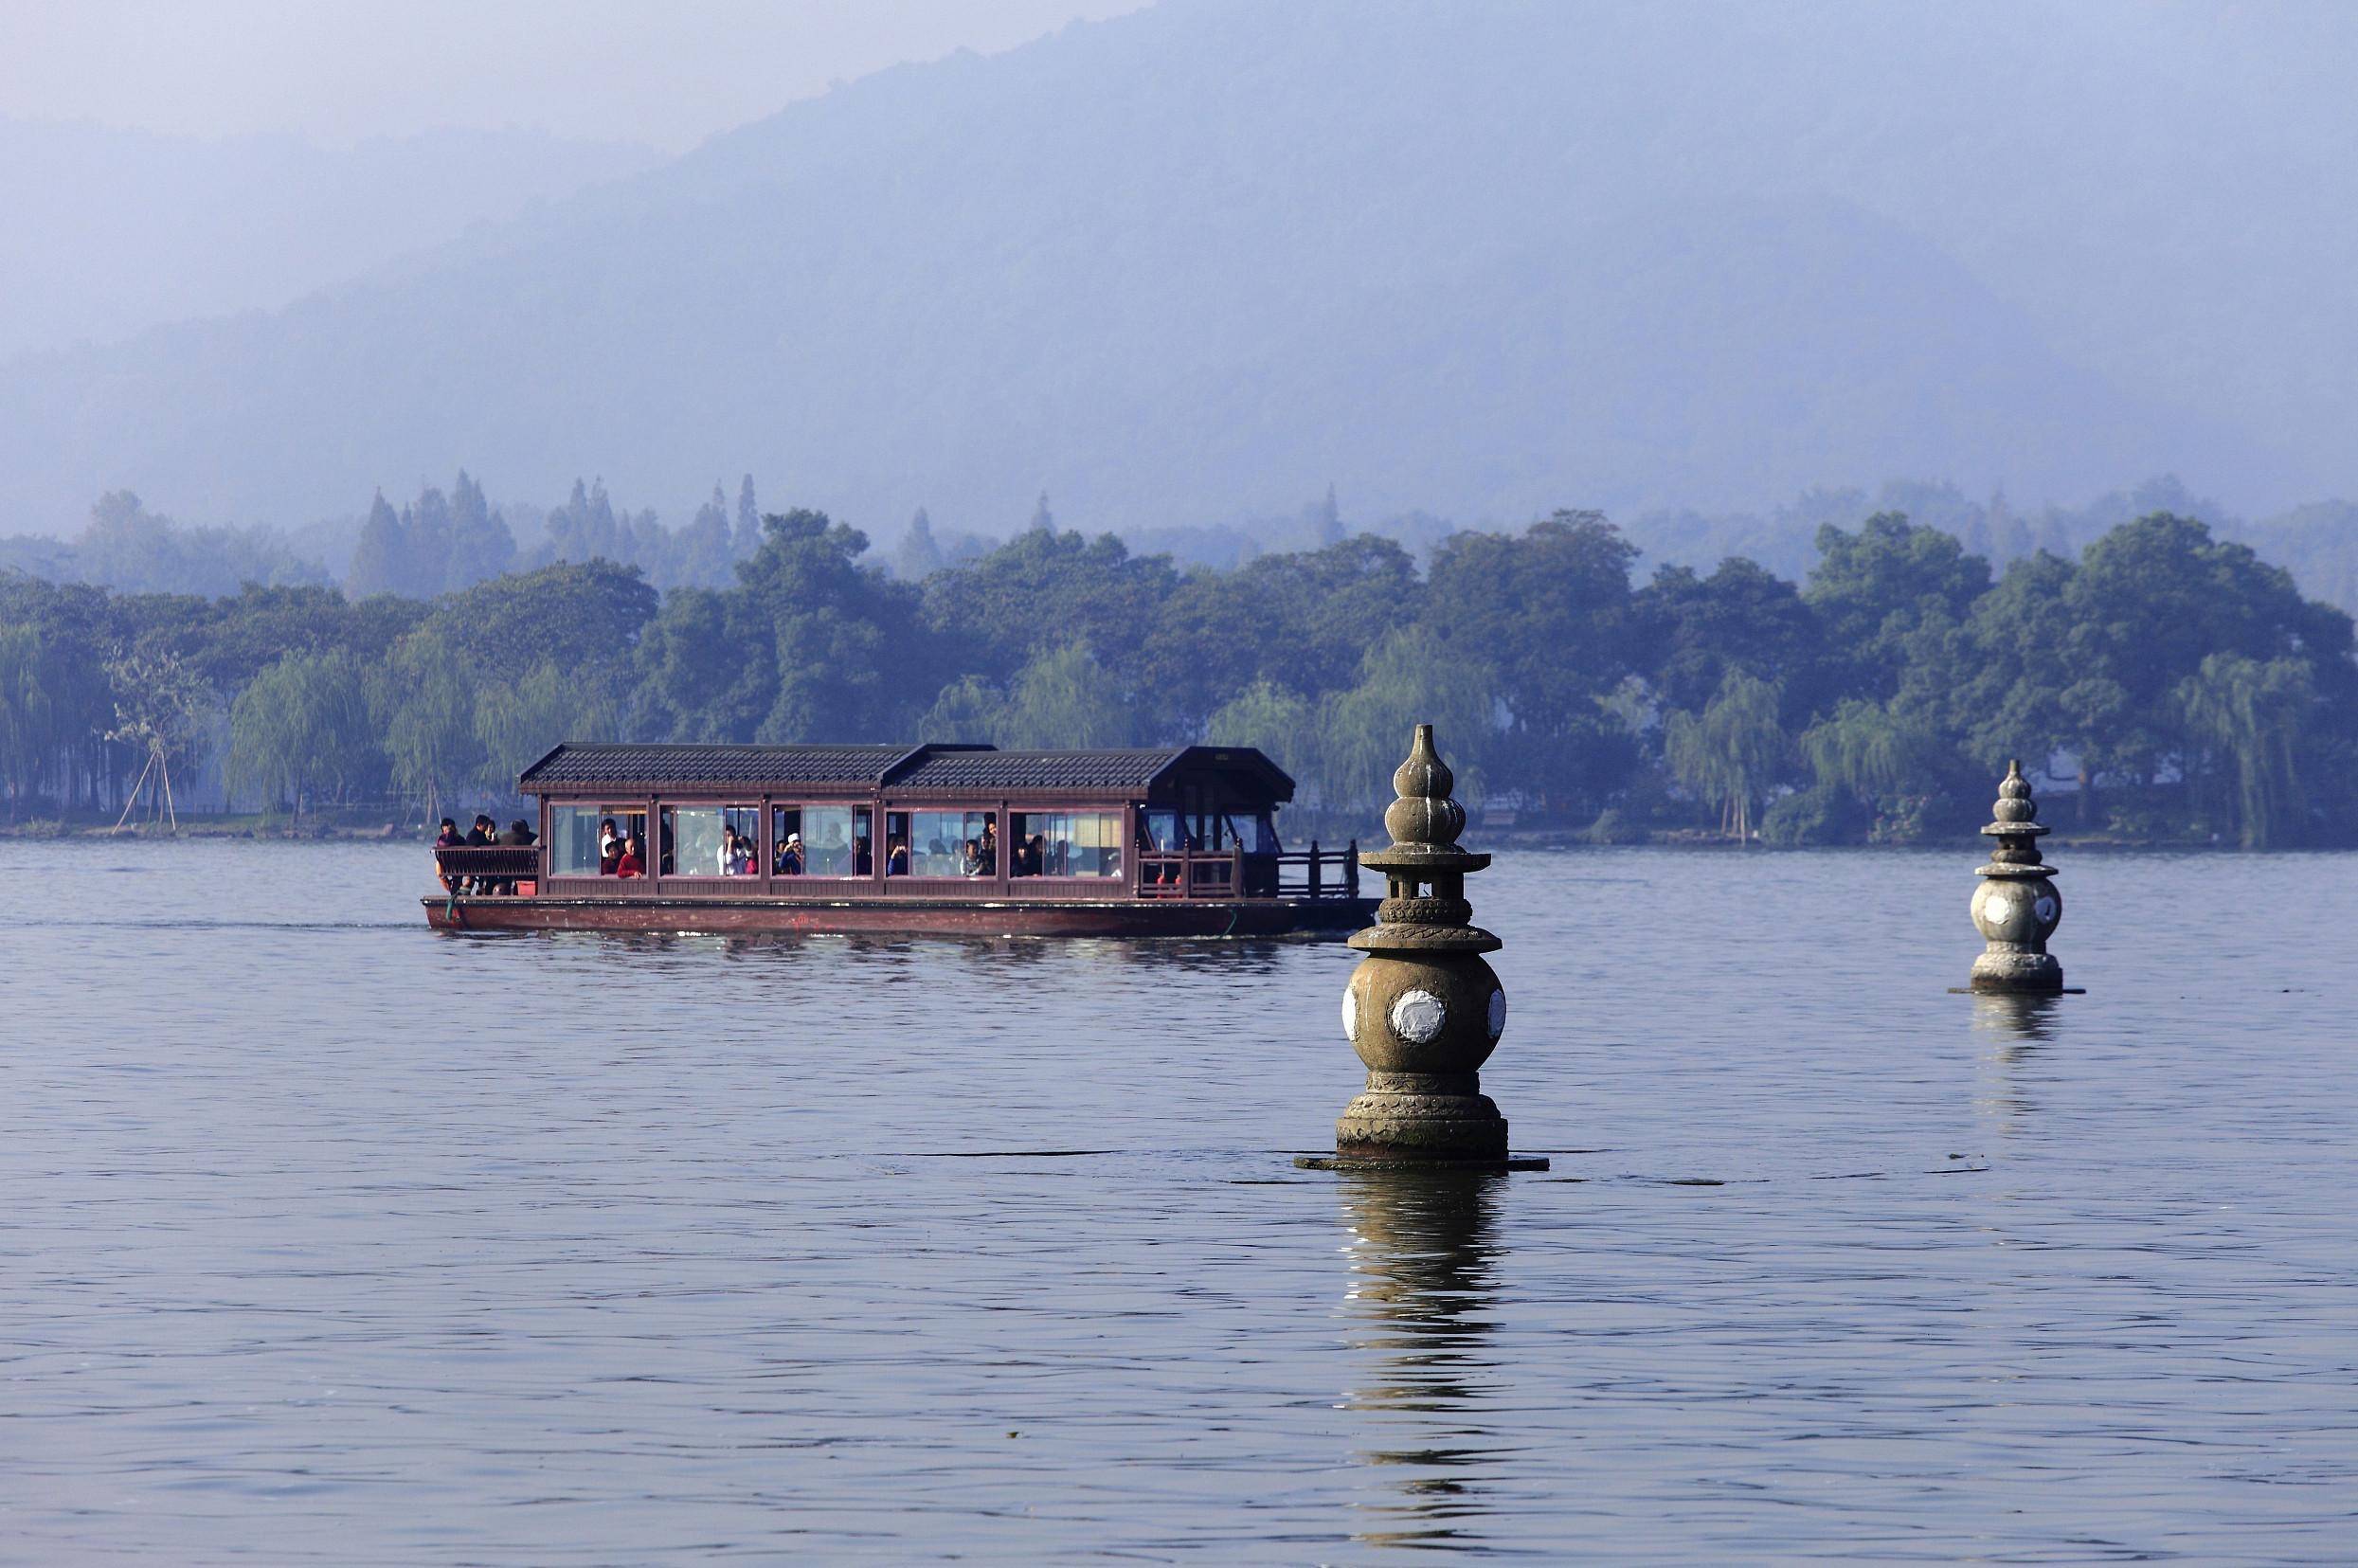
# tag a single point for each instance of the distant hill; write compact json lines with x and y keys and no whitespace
{"x":1192,"y":264}
{"x":109,"y":232}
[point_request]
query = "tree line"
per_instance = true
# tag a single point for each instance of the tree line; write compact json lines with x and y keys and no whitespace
{"x":2175,"y":685}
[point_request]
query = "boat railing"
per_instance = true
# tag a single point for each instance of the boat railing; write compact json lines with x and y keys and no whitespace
{"x":1305,"y":873}
{"x":487,"y":865}
{"x":1316,"y":873}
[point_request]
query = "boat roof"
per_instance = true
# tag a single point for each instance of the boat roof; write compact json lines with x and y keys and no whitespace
{"x":947,"y":766}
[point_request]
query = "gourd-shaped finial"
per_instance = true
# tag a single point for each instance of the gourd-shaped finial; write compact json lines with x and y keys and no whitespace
{"x":1424,"y":815}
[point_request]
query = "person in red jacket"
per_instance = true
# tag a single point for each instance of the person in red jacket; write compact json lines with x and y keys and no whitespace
{"x":633,"y":862}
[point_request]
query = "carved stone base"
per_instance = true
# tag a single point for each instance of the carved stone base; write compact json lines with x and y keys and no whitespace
{"x":1421,"y":1116}
{"x":2011,"y":969}
{"x":1422,"y":1162}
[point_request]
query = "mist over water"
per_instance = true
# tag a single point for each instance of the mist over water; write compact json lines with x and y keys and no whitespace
{"x":329,"y":1238}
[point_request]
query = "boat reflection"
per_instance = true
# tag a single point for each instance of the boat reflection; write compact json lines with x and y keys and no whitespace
{"x":1423,"y":1255}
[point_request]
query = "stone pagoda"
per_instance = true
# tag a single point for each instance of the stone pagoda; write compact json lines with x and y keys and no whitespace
{"x":2016,"y":908}
{"x":1423,"y":1009}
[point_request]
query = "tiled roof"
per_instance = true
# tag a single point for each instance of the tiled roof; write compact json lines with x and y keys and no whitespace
{"x":904,"y":768}
{"x":940,"y":769}
{"x":577,"y":764}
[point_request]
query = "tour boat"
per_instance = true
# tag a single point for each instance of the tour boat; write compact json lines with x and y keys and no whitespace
{"x":930,"y":838}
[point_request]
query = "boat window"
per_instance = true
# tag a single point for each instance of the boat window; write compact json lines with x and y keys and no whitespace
{"x":577,"y":838}
{"x":951,"y":843}
{"x":710,"y":841}
{"x":836,"y":842}
{"x":1064,"y":843}
{"x":1256,"y":832}
{"x":1161,"y":829}
{"x":573,"y":839}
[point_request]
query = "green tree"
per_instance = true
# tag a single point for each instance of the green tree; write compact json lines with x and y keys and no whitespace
{"x":301,"y":728}
{"x":2248,"y":719}
{"x":1281,"y":725}
{"x":424,"y":701}
{"x":1729,"y":755}
{"x":517,"y":721}
{"x":1549,"y":611}
{"x":1870,"y":589}
{"x":1064,"y":698}
{"x":1408,"y":678}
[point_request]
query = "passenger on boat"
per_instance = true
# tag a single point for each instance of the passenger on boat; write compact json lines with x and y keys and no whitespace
{"x":896,"y":860}
{"x":633,"y":862}
{"x":484,"y":832}
{"x":1040,"y":855}
{"x":970,"y":859}
{"x":789,"y":857}
{"x":990,"y":846}
{"x":731,"y":855}
{"x":609,"y":847}
{"x":447,"y":838}
{"x":518,"y":836}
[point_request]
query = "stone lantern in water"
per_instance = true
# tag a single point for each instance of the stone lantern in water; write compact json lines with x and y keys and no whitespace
{"x":1423,"y":1009}
{"x":2016,"y":908}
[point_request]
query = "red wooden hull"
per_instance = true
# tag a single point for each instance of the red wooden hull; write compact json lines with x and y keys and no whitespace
{"x":908,"y":916}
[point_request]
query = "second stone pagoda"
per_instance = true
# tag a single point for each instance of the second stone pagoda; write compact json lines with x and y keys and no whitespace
{"x":2016,"y":908}
{"x":1423,"y":1009}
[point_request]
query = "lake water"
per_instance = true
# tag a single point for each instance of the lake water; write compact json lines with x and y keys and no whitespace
{"x":326,"y":1238}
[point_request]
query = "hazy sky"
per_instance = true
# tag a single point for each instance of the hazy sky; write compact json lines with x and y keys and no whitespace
{"x":668,"y":74}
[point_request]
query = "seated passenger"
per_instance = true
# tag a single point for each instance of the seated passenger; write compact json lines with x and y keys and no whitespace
{"x":863,"y":863}
{"x":896,"y":860}
{"x":634,"y":860}
{"x":990,"y":846}
{"x":518,"y":836}
{"x":970,"y":858}
{"x":447,"y":838}
{"x":730,"y":852}
{"x":484,"y":832}
{"x":609,"y":847}
{"x":1038,"y":851}
{"x":790,"y":856}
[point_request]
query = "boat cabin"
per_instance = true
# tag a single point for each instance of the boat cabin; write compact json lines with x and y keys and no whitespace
{"x":789,"y":827}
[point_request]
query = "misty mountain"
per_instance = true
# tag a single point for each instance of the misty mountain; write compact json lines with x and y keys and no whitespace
{"x":110,"y":231}
{"x":1195,"y":263}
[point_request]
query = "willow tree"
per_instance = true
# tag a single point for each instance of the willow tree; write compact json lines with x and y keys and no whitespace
{"x":1408,"y":678}
{"x":424,"y":701}
{"x":517,"y":721}
{"x":1729,"y":754}
{"x":2246,"y":716}
{"x":1064,"y":697}
{"x":301,"y":728}
{"x":1279,"y":723}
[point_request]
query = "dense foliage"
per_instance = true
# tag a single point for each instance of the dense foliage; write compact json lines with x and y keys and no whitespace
{"x":2171,"y":683}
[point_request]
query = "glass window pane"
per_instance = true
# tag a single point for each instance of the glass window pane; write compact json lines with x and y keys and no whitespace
{"x":836,"y":839}
{"x":741,"y":840}
{"x":1066,"y":843}
{"x":573,"y":840}
{"x":951,"y":843}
